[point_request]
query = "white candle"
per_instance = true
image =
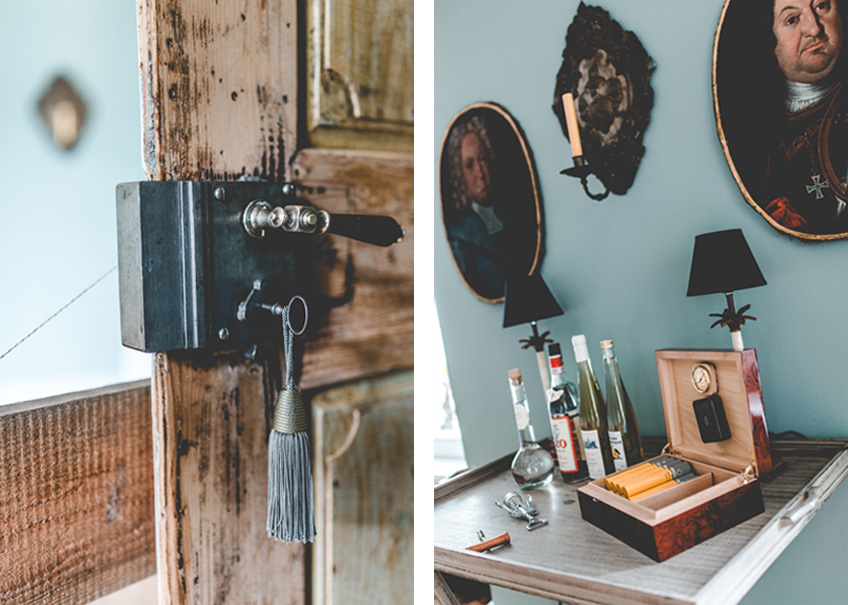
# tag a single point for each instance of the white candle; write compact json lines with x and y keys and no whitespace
{"x":571,"y":123}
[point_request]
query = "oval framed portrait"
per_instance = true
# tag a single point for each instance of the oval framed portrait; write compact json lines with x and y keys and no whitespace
{"x":781,"y":105}
{"x":490,"y":201}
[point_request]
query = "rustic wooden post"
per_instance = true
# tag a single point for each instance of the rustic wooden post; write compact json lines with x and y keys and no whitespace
{"x":219,"y":89}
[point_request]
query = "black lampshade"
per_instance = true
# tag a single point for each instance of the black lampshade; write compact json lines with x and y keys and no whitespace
{"x":526,"y":299}
{"x":722,"y":262}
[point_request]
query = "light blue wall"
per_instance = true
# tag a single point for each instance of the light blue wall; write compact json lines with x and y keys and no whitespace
{"x":57,"y":215}
{"x":620,"y":267}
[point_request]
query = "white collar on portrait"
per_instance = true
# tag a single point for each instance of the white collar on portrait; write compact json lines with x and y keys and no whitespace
{"x":487,"y":215}
{"x":800,"y":95}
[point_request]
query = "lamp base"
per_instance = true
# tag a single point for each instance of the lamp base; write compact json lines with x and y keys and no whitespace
{"x":736,"y":338}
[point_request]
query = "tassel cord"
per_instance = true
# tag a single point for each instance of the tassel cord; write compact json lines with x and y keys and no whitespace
{"x":290,"y":501}
{"x":288,"y":346}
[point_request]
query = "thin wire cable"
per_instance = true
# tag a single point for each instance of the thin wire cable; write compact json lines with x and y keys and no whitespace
{"x":68,"y":304}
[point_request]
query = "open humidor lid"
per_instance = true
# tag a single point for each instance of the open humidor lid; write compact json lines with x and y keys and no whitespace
{"x":734,"y":376}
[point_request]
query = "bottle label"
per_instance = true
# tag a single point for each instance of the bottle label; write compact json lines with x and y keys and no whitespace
{"x":564,"y":442}
{"x":619,"y":458}
{"x":594,"y":458}
{"x":556,"y":365}
{"x":522,"y":416}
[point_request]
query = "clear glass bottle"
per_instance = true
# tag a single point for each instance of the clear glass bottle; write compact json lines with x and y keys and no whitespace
{"x":564,"y":414}
{"x":593,"y":413}
{"x":532,"y":465}
{"x":625,"y":442}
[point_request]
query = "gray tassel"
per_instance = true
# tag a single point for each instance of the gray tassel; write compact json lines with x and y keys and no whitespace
{"x":290,"y":507}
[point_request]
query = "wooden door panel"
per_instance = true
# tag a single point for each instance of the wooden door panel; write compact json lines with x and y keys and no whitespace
{"x":366,"y":319}
{"x":363,"y":492}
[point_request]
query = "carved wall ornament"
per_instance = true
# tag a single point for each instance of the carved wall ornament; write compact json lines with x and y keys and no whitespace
{"x":608,"y":71}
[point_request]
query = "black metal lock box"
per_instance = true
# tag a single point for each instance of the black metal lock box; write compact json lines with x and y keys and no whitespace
{"x":186,"y":262}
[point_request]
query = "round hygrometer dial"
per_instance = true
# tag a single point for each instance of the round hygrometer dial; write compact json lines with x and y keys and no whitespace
{"x":701,"y":378}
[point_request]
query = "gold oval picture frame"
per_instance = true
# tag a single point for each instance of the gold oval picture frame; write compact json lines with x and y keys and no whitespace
{"x":780,"y":102}
{"x":491,"y":208}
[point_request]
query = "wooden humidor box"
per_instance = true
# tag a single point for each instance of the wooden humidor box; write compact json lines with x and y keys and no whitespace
{"x":726,"y":491}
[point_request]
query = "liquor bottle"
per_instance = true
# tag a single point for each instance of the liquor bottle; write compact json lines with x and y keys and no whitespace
{"x":593,"y":413}
{"x":532,"y":465}
{"x":565,"y":420}
{"x":625,"y":443}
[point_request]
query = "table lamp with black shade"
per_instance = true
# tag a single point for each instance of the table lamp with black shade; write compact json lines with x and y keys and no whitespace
{"x":723,"y":262}
{"x":527,"y":299}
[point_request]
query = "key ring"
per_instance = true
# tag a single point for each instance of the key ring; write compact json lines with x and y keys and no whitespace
{"x":305,"y":315}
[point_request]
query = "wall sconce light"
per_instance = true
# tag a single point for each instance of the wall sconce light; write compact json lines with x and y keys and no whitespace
{"x":581,"y":168}
{"x":63,"y":112}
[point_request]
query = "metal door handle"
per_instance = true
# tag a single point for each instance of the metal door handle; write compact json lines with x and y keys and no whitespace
{"x":260,"y":216}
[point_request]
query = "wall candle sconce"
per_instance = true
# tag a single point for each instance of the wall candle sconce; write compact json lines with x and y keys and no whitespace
{"x":581,"y":168}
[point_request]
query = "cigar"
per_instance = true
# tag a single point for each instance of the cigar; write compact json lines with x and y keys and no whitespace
{"x":660,"y":475}
{"x":616,"y":482}
{"x":484,"y":546}
{"x":663,"y":486}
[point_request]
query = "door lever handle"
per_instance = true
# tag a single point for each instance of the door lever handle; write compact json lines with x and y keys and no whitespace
{"x":259,"y":217}
{"x":371,"y":229}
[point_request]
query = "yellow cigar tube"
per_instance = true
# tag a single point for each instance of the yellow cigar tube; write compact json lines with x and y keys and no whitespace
{"x":639,"y":468}
{"x":653,"y":490}
{"x":662,"y":486}
{"x":646,"y":482}
{"x":676,"y":468}
{"x":615,"y":482}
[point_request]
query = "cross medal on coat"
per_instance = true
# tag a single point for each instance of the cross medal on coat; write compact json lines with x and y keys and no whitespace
{"x":817,"y":186}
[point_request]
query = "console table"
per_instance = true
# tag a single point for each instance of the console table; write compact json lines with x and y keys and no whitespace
{"x":572,"y":561}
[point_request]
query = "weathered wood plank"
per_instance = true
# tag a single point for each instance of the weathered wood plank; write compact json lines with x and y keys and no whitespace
{"x":364,"y":299}
{"x":219,"y":84}
{"x":211,"y":426}
{"x":442,"y":593}
{"x":363,"y":485}
{"x":76,"y":495}
{"x":219,"y":88}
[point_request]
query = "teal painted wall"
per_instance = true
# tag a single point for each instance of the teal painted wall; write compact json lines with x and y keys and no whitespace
{"x":57,"y":215}
{"x":620,"y":268}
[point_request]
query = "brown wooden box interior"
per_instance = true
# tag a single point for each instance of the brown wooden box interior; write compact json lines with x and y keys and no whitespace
{"x":719,"y":465}
{"x":678,"y":393}
{"x":711,"y":482}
